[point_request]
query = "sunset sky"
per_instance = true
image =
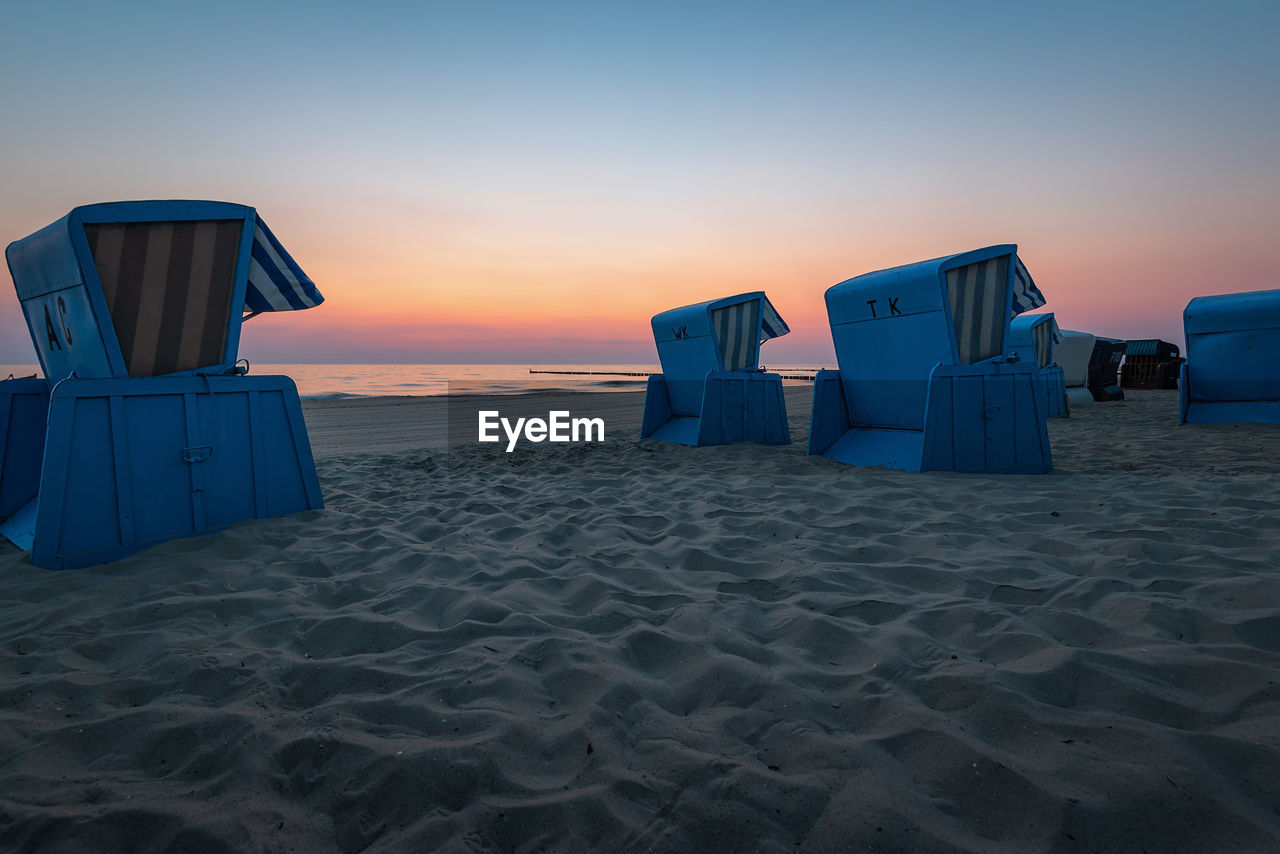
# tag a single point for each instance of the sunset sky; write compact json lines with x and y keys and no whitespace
{"x":531,"y":181}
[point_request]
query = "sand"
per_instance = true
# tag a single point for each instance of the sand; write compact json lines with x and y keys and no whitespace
{"x":632,"y":646}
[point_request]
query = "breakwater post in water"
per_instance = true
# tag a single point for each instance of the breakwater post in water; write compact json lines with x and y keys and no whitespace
{"x":805,"y":376}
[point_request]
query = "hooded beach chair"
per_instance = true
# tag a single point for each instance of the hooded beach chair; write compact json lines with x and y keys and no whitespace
{"x":149,"y":429}
{"x":1150,"y":363}
{"x":1104,"y":369}
{"x":923,"y":382}
{"x":1034,"y":338}
{"x":1072,"y":355}
{"x":711,"y":390}
{"x":1232,"y":369}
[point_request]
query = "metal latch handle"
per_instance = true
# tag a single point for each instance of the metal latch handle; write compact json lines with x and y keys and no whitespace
{"x":197,"y":453}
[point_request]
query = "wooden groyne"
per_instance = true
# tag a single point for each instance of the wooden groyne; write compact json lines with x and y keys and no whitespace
{"x":804,"y":376}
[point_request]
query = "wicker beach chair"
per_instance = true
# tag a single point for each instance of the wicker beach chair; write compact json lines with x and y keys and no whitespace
{"x":1150,"y":363}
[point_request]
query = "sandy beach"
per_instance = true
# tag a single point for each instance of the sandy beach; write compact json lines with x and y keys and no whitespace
{"x":633,"y":646}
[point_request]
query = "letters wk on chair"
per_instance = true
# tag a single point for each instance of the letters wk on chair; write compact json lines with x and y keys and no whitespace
{"x":1035,"y":338}
{"x":923,"y":380}
{"x":143,"y":428}
{"x":711,"y":390}
{"x":1232,"y":369}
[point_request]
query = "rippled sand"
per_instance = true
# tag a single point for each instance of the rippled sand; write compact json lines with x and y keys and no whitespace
{"x":633,"y":646}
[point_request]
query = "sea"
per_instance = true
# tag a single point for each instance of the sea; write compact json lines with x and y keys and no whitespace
{"x":339,"y":381}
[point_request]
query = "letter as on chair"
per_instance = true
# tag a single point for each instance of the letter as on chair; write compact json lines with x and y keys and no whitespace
{"x":711,"y":390}
{"x":149,"y":430}
{"x":926,"y":386}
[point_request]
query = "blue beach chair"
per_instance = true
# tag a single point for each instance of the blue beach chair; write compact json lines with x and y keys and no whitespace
{"x":1232,"y":367}
{"x":149,"y":430}
{"x":711,"y":390}
{"x":923,"y":382}
{"x":1034,"y":338}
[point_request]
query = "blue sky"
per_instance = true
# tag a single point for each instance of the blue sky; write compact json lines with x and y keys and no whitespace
{"x":463,"y":179}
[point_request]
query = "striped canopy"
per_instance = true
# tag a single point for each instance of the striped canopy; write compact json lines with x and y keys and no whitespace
{"x":168,"y":287}
{"x":735,"y":326}
{"x":973,"y":289}
{"x":771,"y":323}
{"x":1026,"y":295}
{"x":276,"y":282}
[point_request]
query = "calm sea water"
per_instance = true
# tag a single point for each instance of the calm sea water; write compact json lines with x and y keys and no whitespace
{"x":332,"y":381}
{"x":384,"y":380}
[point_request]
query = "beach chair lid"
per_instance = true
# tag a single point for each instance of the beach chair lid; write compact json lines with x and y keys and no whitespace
{"x":721,"y":334}
{"x":1150,"y":347}
{"x":1232,"y":312}
{"x":151,"y":288}
{"x":1026,"y":295}
{"x":979,"y":291}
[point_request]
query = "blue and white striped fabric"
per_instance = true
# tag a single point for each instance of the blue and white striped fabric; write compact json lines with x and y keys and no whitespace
{"x":276,"y":282}
{"x":1042,"y":337}
{"x":1046,"y":336}
{"x":735,"y":326}
{"x":1026,"y":295}
{"x":977,"y":293}
{"x":771,"y":323}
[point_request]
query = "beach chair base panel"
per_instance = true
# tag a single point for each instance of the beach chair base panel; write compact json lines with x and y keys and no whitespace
{"x":1079,"y":397}
{"x":133,"y":462}
{"x":681,"y":429}
{"x":737,"y":406}
{"x":20,"y":528}
{"x":1238,"y":409}
{"x":986,"y":417}
{"x":24,"y":404}
{"x":888,"y":447}
{"x":657,"y":406}
{"x":1055,"y":391}
{"x":1233,"y":400}
{"x":829,"y":415}
{"x":1232,"y":411}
